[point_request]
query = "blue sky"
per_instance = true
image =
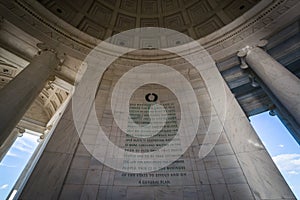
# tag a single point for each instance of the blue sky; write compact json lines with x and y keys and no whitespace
{"x":283,"y":148}
{"x":14,"y":162}
{"x":276,"y":138}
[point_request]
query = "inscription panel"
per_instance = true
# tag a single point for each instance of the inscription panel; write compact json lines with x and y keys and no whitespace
{"x":174,"y":174}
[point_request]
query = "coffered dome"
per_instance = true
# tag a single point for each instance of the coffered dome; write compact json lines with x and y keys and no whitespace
{"x":104,"y":18}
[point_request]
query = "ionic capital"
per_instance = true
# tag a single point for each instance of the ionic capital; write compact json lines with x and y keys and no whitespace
{"x":244,"y":52}
{"x":45,"y":47}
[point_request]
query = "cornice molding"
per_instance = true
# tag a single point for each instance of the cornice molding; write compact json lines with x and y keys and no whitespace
{"x":267,"y":22}
{"x":255,"y":24}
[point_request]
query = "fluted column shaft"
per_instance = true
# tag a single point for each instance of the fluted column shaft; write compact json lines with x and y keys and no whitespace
{"x":19,"y":93}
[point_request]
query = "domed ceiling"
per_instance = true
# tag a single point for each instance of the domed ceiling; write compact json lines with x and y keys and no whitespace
{"x":104,"y":18}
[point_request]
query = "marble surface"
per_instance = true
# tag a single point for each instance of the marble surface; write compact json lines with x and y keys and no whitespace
{"x":21,"y":92}
{"x":265,"y":175}
{"x":236,"y":165}
{"x":54,"y":166}
{"x":283,"y":84}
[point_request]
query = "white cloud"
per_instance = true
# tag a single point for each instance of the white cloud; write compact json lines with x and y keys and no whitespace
{"x":23,"y":149}
{"x":9,"y":166}
{"x":23,"y":146}
{"x":9,"y":153}
{"x":2,"y":187}
{"x":293,"y":172}
{"x":288,"y":163}
{"x":25,"y":143}
{"x":281,"y":145}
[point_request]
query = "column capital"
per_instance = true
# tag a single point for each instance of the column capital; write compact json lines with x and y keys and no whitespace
{"x":50,"y":81}
{"x":45,"y":47}
{"x":21,"y":130}
{"x":244,"y":51}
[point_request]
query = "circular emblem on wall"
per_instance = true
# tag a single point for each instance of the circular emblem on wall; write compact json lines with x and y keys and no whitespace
{"x":151,"y":97}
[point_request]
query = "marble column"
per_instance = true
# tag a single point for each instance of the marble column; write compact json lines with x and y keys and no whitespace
{"x":19,"y":94}
{"x":283,"y":84}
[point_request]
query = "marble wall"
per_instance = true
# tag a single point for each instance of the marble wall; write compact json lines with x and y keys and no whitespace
{"x":236,"y":166}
